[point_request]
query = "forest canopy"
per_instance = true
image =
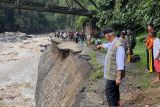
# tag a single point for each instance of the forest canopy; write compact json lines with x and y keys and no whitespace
{"x":128,"y":14}
{"x":118,"y":14}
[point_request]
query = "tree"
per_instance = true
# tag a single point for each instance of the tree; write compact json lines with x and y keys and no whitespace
{"x":128,"y":14}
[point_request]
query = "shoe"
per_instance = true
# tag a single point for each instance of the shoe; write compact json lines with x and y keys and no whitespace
{"x":128,"y":61}
{"x":146,"y":70}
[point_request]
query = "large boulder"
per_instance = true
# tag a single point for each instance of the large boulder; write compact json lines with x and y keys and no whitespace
{"x":63,"y":71}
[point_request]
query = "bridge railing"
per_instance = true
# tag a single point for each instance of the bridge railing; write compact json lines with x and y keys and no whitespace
{"x":43,"y":7}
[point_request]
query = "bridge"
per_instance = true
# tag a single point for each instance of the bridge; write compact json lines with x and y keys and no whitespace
{"x":74,"y":7}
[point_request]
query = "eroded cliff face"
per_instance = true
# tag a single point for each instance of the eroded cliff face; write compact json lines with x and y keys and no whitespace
{"x":63,"y":71}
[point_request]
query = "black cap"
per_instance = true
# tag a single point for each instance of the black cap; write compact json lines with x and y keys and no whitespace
{"x":123,"y":33}
{"x":107,"y":30}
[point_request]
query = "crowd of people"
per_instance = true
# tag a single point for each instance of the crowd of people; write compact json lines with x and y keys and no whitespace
{"x":78,"y":37}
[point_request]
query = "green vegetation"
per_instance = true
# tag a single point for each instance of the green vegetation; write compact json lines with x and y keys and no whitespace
{"x":140,"y":48}
{"x":97,"y":70}
{"x":143,"y":78}
{"x":118,"y":14}
{"x":34,"y":21}
{"x":80,"y":21}
{"x":128,"y":14}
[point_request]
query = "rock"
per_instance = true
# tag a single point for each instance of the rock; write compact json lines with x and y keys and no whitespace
{"x":2,"y":89}
{"x":101,"y":102}
{"x":26,"y":42}
{"x":1,"y":98}
{"x":62,"y":75}
{"x":83,"y":89}
{"x":42,"y":50}
{"x":30,"y":36}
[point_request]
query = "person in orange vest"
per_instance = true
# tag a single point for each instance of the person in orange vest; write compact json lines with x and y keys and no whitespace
{"x":149,"y":49}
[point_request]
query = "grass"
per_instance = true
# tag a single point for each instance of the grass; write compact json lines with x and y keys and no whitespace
{"x":96,"y":75}
{"x":96,"y":68}
{"x":144,"y":79}
{"x":140,"y":49}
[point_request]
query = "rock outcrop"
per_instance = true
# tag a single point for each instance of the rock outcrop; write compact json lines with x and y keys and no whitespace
{"x":63,"y":71}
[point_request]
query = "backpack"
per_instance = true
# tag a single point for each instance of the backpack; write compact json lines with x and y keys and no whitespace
{"x":135,"y":58}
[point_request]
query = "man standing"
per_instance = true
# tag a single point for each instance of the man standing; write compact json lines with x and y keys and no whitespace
{"x":114,"y":67}
{"x":123,"y":39}
{"x":131,"y":43}
{"x":82,"y":39}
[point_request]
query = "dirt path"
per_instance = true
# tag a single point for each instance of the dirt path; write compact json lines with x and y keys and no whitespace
{"x":132,"y":94}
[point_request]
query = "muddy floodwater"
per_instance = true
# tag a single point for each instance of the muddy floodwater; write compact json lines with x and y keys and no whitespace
{"x":18,"y":71}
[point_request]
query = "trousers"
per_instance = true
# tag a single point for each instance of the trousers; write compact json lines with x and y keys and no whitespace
{"x":112,"y":93}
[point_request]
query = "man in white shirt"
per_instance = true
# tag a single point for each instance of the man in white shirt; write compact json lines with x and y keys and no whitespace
{"x":65,"y":36}
{"x":114,"y":67}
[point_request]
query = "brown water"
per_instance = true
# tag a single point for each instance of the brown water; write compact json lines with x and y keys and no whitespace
{"x":18,"y":71}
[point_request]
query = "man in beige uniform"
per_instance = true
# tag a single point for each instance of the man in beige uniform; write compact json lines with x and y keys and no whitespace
{"x":113,"y":67}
